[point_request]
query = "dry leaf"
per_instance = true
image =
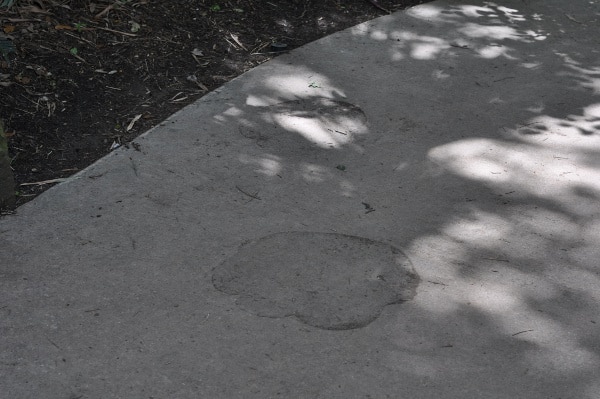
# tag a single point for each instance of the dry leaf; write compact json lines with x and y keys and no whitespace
{"x":8,"y":28}
{"x":39,"y":70}
{"x":105,"y":11}
{"x":133,"y":121}
{"x":23,"y":79}
{"x":135,"y":27}
{"x":35,"y":10}
{"x":63,"y":27}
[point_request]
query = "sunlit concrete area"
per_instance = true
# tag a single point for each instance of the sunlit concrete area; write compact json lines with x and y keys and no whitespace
{"x":406,"y":209}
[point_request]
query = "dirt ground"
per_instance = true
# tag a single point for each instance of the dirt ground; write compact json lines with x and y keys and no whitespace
{"x":79,"y":78}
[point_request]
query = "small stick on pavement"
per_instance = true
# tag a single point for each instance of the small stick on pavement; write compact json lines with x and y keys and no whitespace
{"x":248,"y":194}
{"x":573,"y":19}
{"x":521,"y":332}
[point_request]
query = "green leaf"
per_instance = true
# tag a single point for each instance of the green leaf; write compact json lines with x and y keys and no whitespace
{"x":7,"y":3}
{"x":135,"y":27}
{"x":6,"y":47}
{"x":79,"y":26}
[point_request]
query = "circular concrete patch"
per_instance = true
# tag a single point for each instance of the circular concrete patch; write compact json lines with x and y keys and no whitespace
{"x":329,"y":281}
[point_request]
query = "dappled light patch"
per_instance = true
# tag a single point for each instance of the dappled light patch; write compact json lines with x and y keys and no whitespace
{"x":479,"y":31}
{"x":571,"y":126}
{"x":494,"y":298}
{"x":297,"y":83}
{"x":379,"y":35}
{"x":553,"y":158}
{"x":476,"y":230}
{"x":587,"y":76}
{"x":315,"y":173}
{"x":494,"y":51}
{"x":483,"y":30}
{"x":439,"y":74}
{"x":303,"y":124}
{"x":510,"y":296}
{"x":267,"y":165}
{"x":473,"y":158}
{"x":558,"y":361}
{"x":426,"y":50}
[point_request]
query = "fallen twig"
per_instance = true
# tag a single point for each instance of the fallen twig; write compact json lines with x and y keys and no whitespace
{"x":255,"y":196}
{"x":106,"y":10}
{"x":573,"y":19}
{"x":506,"y":78}
{"x":376,"y":4}
{"x":78,"y":57}
{"x":25,"y":20}
{"x":270,"y":52}
{"x":79,"y":38}
{"x":237,"y":40}
{"x":436,"y":283}
{"x":521,"y":332}
{"x":117,"y":31}
{"x":43,"y":182}
{"x":133,"y":121}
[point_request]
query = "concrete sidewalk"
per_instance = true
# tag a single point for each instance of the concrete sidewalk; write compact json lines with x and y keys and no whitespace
{"x":406,"y":209}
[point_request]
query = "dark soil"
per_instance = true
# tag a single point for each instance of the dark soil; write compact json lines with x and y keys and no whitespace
{"x":78,"y":78}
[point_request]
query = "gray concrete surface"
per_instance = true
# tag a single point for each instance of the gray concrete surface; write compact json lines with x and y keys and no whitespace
{"x":451,"y":151}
